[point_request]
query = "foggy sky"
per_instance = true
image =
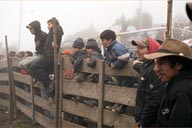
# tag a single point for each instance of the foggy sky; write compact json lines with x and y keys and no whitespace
{"x":73,"y":15}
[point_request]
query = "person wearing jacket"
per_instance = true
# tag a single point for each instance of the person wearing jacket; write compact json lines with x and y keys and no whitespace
{"x":150,"y":91}
{"x":173,"y":67}
{"x":39,"y":39}
{"x":116,"y":57}
{"x":41,"y":68}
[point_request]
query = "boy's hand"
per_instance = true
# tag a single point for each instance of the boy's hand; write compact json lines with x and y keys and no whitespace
{"x":54,"y":45}
{"x":112,"y":65}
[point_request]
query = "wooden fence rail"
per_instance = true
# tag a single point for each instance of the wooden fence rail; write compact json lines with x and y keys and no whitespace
{"x":35,"y":106}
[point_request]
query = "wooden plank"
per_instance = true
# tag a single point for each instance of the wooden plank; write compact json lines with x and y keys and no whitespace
{"x":126,"y":71}
{"x":80,"y":109}
{"x":26,"y":110}
{"x":101,"y":94}
{"x":43,"y":120}
{"x":66,"y":124}
{"x":110,"y":118}
{"x":4,"y":89}
{"x":22,"y":78}
{"x":118,"y":120}
{"x":85,"y":89}
{"x":4,"y":77}
{"x":3,"y":64}
{"x":45,"y":104}
{"x":4,"y":102}
{"x":23,"y":94}
{"x":121,"y":95}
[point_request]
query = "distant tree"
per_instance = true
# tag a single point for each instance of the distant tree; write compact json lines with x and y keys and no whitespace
{"x":123,"y":22}
{"x":143,"y":20}
{"x":140,"y":21}
{"x":179,"y":18}
{"x":89,"y":32}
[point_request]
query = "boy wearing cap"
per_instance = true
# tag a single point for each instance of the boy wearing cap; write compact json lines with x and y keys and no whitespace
{"x":150,"y":91}
{"x":94,"y":54}
{"x":173,"y":67}
{"x":77,"y":57}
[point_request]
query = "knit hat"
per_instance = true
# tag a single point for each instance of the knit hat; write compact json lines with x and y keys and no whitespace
{"x":91,"y":43}
{"x":78,"y":43}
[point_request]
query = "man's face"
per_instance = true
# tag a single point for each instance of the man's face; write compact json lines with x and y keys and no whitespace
{"x":141,"y":51}
{"x":165,"y":71}
{"x":32,"y":31}
{"x":105,"y":42}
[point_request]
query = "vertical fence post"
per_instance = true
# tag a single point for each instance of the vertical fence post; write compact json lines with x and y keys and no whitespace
{"x":169,"y":19}
{"x":32,"y":101}
{"x":60,"y":91}
{"x":101,"y":93}
{"x":12,"y":99}
{"x":56,"y":77}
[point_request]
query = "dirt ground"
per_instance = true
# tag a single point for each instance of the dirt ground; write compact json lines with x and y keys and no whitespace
{"x":21,"y":121}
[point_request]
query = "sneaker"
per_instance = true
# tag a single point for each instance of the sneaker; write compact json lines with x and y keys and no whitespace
{"x":111,"y":107}
{"x":118,"y":109}
{"x":51,"y":100}
{"x":76,"y":99}
{"x":51,"y":89}
{"x":90,"y":102}
{"x":79,"y":78}
{"x":6,"y":112}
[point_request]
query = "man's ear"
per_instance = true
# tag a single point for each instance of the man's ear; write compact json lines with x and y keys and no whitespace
{"x":178,"y":66}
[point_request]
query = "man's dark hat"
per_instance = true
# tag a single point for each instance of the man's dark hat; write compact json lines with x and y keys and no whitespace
{"x":189,"y":10}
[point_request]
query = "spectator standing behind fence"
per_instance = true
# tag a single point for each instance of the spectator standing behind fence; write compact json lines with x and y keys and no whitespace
{"x":93,"y":54}
{"x":150,"y":91}
{"x":173,"y":67}
{"x":40,"y":39}
{"x":44,"y":65}
{"x":77,"y":57}
{"x":116,"y":57}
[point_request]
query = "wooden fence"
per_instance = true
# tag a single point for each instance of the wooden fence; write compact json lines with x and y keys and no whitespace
{"x":99,"y":91}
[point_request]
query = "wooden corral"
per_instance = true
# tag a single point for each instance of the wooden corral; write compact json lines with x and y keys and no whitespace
{"x":28,"y":102}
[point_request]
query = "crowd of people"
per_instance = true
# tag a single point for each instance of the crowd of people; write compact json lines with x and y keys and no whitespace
{"x":163,"y":98}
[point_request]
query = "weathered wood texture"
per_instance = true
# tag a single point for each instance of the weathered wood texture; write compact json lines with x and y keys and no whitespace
{"x":122,"y":95}
{"x":4,"y":89}
{"x":126,"y":71}
{"x":4,"y":77}
{"x":100,"y":91}
{"x":110,"y":118}
{"x":4,"y":102}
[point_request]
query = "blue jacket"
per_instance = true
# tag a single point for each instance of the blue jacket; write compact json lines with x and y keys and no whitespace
{"x":113,"y":51}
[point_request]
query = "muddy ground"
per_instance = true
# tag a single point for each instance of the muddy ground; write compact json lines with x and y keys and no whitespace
{"x":21,"y":121}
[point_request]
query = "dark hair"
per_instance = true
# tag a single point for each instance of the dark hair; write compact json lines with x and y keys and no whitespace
{"x":12,"y":53}
{"x":29,"y":53}
{"x":173,"y":60}
{"x":108,"y":34}
{"x":20,"y":54}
